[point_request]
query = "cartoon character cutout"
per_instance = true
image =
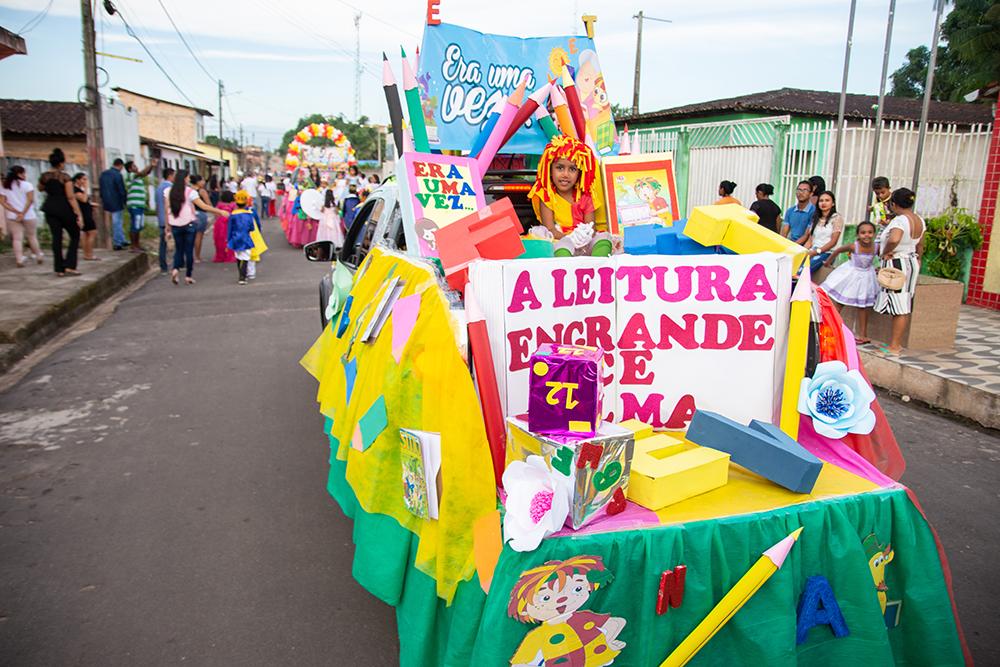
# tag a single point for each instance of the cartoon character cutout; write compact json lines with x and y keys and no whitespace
{"x":552,"y":596}
{"x":425,"y":228}
{"x":594,"y":99}
{"x":878,"y":558}
{"x":648,"y":189}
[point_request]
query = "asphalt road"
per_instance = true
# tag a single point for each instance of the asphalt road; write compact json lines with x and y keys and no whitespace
{"x":162,"y":491}
{"x":163,"y":488}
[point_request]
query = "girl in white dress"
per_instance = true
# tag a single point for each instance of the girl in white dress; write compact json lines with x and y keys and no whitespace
{"x":853,"y":283}
{"x":902,"y":244}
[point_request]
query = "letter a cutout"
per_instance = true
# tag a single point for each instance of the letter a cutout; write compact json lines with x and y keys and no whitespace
{"x":818,"y":606}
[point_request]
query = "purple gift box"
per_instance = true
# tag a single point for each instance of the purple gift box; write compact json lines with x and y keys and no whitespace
{"x":566,"y":389}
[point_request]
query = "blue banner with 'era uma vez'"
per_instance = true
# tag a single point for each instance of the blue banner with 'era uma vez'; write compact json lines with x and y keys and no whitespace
{"x":464,"y":72}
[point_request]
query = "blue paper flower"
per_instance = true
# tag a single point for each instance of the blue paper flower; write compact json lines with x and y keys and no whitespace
{"x":838,"y":400}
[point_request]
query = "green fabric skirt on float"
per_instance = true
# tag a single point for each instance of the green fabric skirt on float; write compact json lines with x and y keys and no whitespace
{"x":852,"y":541}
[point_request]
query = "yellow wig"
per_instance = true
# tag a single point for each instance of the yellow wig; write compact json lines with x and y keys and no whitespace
{"x":576,"y":152}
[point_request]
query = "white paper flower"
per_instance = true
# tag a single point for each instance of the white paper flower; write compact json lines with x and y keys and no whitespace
{"x":537,"y":502}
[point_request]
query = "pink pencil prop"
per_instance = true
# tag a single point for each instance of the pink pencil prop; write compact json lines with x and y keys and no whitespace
{"x":624,"y":145}
{"x":534,"y":101}
{"x":500,"y":129}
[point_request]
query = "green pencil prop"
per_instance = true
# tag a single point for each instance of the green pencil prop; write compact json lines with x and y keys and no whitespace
{"x":414,"y":108}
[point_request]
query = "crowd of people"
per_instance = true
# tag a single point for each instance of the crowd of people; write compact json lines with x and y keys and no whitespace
{"x":883,"y":262}
{"x":183,"y":202}
{"x":341,"y":193}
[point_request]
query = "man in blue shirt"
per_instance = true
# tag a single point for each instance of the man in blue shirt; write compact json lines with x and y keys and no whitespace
{"x":112,"y":183}
{"x":161,"y":214}
{"x":798,"y":218}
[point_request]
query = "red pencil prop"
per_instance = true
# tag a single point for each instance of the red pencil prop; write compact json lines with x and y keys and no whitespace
{"x":573,"y":101}
{"x":486,"y":380}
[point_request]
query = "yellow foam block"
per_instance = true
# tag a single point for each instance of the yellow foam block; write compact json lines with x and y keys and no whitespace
{"x":745,"y":237}
{"x":640,"y":429}
{"x":667,"y":470}
{"x":708,"y":224}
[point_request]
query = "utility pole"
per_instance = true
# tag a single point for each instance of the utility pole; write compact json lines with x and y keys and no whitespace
{"x":243,"y":161}
{"x":222,"y":157}
{"x":843,"y":98}
{"x":92,"y":113}
{"x":881,"y":96}
{"x":357,"y":66}
{"x":928,"y":87}
{"x":638,"y":57}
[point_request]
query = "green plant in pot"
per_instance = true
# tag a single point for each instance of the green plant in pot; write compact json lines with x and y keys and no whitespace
{"x":947,"y":238}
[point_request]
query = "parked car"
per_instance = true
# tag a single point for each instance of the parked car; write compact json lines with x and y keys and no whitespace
{"x":380,"y":222}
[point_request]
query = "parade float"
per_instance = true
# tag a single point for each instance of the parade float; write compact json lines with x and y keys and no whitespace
{"x":308,"y":162}
{"x":664,"y":455}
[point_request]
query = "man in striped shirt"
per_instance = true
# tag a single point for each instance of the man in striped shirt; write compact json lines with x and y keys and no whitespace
{"x":136,"y":199}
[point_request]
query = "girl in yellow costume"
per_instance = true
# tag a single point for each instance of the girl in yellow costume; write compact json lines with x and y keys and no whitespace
{"x":566,"y":196}
{"x":552,"y":595}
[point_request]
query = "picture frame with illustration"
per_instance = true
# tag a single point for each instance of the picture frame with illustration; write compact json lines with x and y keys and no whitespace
{"x":640,"y":189}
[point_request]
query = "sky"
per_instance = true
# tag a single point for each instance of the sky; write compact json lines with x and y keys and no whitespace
{"x":281,"y":61}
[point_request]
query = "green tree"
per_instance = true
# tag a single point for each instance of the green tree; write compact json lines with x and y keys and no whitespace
{"x":968,"y":57}
{"x":363,"y":137}
{"x":228,"y":144}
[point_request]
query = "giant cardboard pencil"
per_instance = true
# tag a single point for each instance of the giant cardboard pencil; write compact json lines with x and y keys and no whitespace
{"x":795,"y":358}
{"x":573,"y":101}
{"x":545,"y":122}
{"x":534,"y":101}
{"x":769,"y":563}
{"x":486,"y":381}
{"x":491,"y":122}
{"x":392,"y":100}
{"x":486,"y":156}
{"x":562,"y":112}
{"x":413,"y":108}
{"x":624,"y":145}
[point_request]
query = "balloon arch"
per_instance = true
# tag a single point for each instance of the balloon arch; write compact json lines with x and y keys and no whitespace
{"x":338,"y":156}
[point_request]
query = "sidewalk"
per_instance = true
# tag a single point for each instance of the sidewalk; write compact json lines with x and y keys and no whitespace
{"x":38,"y":305}
{"x":964,"y":380}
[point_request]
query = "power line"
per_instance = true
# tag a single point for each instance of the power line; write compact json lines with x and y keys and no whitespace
{"x":377,"y":19}
{"x":113,"y":10}
{"x":186,"y":45}
{"x":307,"y":29}
{"x":35,"y":20}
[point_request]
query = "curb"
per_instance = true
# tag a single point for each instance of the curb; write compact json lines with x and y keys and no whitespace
{"x":942,"y":393}
{"x":64,"y":313}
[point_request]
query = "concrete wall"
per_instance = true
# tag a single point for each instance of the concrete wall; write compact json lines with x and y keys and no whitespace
{"x":163,"y":121}
{"x":75,"y":148}
{"x":121,"y":131}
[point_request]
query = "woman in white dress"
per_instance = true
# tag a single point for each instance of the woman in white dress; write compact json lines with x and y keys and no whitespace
{"x":902,"y":244}
{"x":826,"y":228}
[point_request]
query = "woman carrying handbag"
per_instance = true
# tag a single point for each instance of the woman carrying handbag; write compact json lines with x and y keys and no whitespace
{"x":902,"y":245}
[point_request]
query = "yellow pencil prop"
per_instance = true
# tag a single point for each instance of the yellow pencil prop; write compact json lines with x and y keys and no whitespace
{"x":769,"y":563}
{"x":795,"y":358}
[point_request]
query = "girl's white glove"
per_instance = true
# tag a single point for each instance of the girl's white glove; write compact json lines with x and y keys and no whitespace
{"x":582,"y":235}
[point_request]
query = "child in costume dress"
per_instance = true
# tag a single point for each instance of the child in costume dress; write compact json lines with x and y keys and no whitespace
{"x":220,"y":229}
{"x":566,"y":196}
{"x":241,"y":223}
{"x":854,"y":283}
{"x":329,"y":222}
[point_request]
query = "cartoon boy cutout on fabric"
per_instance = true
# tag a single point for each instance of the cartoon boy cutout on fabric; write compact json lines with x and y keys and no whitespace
{"x":878,"y":558}
{"x":552,"y":595}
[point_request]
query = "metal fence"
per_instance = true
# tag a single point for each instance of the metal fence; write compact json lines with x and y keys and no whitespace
{"x":774,"y":150}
